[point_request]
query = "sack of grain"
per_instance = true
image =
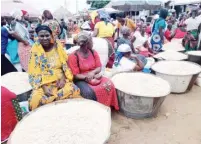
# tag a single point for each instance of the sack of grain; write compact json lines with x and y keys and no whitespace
{"x":171,"y":55}
{"x":140,"y":95}
{"x":180,"y":74}
{"x":75,"y":121}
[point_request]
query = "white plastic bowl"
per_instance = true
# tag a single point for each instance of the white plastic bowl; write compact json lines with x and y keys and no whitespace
{"x":180,"y":74}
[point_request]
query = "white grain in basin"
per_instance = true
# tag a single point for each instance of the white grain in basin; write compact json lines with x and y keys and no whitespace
{"x":141,"y":84}
{"x":76,"y":121}
{"x":176,"y":68}
{"x":194,"y":53}
{"x":171,"y":55}
{"x":175,"y":46}
{"x":17,"y":82}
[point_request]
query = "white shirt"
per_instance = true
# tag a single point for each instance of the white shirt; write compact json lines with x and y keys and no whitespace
{"x":140,"y":40}
{"x":193,"y":24}
{"x":125,"y":65}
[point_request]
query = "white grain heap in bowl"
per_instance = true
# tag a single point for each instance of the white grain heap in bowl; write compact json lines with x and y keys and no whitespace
{"x":174,"y":46}
{"x":74,"y":121}
{"x":17,"y":82}
{"x":171,"y":55}
{"x":178,"y":68}
{"x":141,"y":84}
{"x":194,"y":53}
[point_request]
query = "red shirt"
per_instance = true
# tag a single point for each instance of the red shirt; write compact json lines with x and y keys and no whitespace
{"x":8,"y":115}
{"x":168,"y":35}
{"x":179,"y":34}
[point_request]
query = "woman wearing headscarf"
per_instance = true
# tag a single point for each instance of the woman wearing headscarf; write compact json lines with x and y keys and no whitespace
{"x":191,"y":39}
{"x":159,"y":27}
{"x":125,"y":60}
{"x":104,"y":29}
{"x":49,"y":74}
{"x":86,"y":67}
{"x":125,"y":39}
{"x":52,"y":24}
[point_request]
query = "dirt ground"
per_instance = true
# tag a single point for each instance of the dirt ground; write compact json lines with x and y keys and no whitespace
{"x":178,"y":122}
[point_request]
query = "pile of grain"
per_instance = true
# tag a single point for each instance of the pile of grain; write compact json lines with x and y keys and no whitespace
{"x":17,"y":82}
{"x":176,"y":68}
{"x":175,"y":46}
{"x":194,"y":53}
{"x":171,"y":55}
{"x":141,"y":84}
{"x":77,"y":121}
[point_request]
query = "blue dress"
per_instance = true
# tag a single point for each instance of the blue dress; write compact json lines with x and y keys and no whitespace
{"x":156,"y":41}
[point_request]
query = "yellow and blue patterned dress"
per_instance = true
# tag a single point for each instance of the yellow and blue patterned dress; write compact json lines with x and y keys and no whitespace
{"x":45,"y":68}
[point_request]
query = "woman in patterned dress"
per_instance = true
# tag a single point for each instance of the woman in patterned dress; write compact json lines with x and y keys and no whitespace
{"x":86,"y":67}
{"x":49,"y":74}
{"x":158,"y":30}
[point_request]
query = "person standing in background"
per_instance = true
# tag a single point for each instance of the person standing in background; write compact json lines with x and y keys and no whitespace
{"x":192,"y":23}
{"x":158,"y":30}
{"x":6,"y":65}
{"x":122,"y":21}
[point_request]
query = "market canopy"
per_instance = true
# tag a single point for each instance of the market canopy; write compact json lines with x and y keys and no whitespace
{"x":184,"y":2}
{"x":62,"y":13}
{"x":137,"y":5}
{"x":109,"y":10}
{"x":10,"y":5}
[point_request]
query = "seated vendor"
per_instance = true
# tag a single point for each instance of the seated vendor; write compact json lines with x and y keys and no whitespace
{"x":86,"y":67}
{"x":126,"y":61}
{"x":49,"y":74}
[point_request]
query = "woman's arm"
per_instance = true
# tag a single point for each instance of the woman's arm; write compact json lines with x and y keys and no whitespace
{"x":161,"y":34}
{"x":17,"y":37}
{"x":132,"y":41}
{"x":95,"y":32}
{"x":139,"y":66}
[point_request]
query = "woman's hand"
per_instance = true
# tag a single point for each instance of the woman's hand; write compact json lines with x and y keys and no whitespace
{"x":90,"y":76}
{"x":26,"y":43}
{"x":47,"y":91}
{"x":98,"y":76}
{"x":61,"y":83}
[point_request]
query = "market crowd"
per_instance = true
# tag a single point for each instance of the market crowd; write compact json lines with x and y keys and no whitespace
{"x":39,"y":49}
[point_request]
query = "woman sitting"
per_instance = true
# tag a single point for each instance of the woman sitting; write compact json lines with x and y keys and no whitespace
{"x":125,"y":39}
{"x":125,"y":61}
{"x":49,"y":74}
{"x":86,"y":67}
{"x":140,"y":42}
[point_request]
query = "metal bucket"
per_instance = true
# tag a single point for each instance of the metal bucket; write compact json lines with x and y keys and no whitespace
{"x":138,"y":107}
{"x":195,"y":59}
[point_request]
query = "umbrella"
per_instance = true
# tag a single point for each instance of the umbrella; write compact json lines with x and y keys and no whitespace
{"x":109,"y":10}
{"x":136,"y":5}
{"x":62,"y":13}
{"x":8,"y":6}
{"x":184,"y":2}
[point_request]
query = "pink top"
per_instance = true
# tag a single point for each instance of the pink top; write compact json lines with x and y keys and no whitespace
{"x":85,"y":64}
